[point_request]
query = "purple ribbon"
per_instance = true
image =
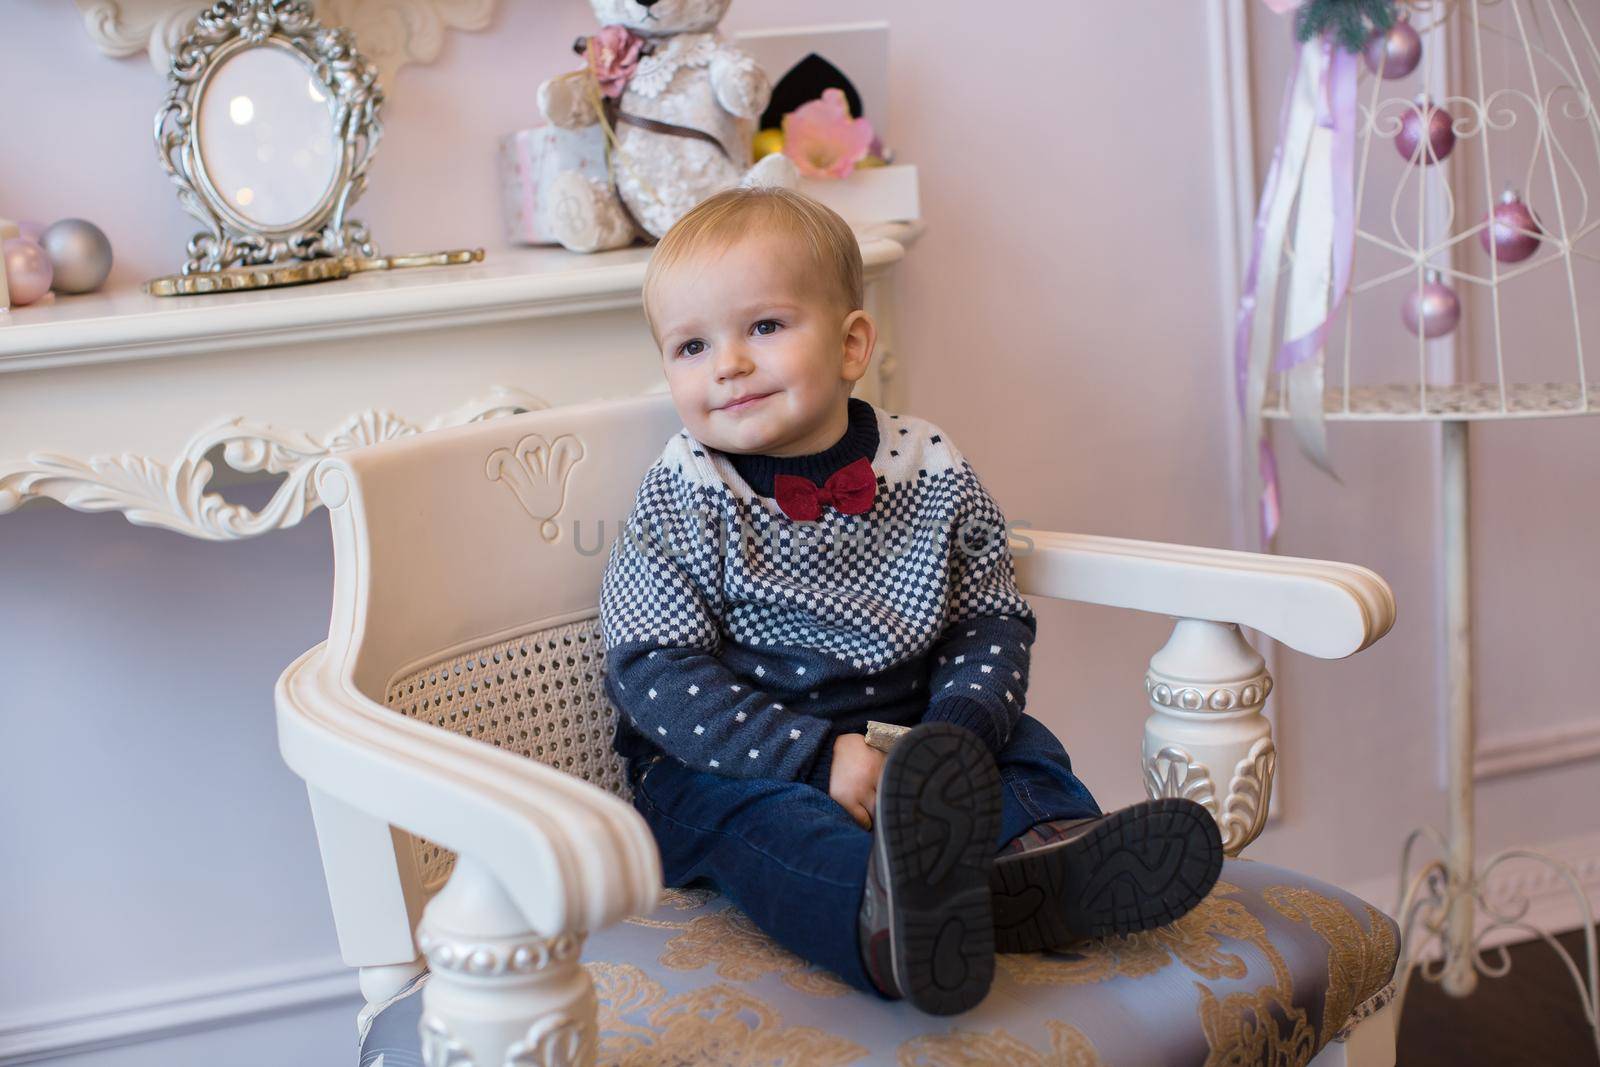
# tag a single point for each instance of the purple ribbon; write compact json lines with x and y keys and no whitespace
{"x":1247,"y":295}
{"x":1336,"y":110}
{"x":1270,"y":508}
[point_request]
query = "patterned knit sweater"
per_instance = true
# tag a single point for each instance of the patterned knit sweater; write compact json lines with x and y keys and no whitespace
{"x":741,"y":642}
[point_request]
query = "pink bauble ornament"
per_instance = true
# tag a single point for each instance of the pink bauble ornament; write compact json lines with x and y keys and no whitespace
{"x":28,"y":270}
{"x":1427,"y":133}
{"x":31,"y":230}
{"x":1512,"y":233}
{"x":1395,"y":52}
{"x":1433,"y":310}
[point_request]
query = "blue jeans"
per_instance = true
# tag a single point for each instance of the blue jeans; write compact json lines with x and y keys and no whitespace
{"x":788,"y":855}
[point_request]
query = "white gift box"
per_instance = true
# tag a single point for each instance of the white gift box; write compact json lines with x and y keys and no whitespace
{"x":869,"y":194}
{"x":529,"y":160}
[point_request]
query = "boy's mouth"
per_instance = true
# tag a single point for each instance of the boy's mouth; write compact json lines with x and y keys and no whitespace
{"x":744,"y":402}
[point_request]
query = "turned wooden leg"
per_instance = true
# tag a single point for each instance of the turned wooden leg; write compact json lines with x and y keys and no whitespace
{"x":1207,"y":740}
{"x":499,"y":994}
{"x":372,"y":909}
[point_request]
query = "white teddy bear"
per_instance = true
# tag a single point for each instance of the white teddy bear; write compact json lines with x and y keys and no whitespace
{"x":683,"y":125}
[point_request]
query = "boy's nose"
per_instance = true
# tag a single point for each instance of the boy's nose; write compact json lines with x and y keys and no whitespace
{"x":732,"y":361}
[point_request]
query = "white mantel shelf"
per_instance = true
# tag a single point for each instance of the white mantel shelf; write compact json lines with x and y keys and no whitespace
{"x":509,"y":285}
{"x":96,"y":414}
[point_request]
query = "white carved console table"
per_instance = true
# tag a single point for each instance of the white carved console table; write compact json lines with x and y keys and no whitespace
{"x":126,"y":402}
{"x":120,"y":402}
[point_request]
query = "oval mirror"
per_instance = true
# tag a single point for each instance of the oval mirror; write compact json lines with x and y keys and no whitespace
{"x":267,"y":130}
{"x":265,"y":136}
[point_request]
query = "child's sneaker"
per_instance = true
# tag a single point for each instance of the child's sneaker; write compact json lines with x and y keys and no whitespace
{"x":1143,"y":866}
{"x":926,"y":925}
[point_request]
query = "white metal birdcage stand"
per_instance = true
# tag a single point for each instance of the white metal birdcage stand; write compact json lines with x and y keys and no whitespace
{"x":1453,"y":928}
{"x":1447,"y":895}
{"x":1439,"y":906}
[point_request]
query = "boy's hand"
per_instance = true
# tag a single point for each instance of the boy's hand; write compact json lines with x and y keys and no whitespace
{"x":853,"y":781}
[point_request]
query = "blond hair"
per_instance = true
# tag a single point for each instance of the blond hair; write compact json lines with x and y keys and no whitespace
{"x":718,"y":221}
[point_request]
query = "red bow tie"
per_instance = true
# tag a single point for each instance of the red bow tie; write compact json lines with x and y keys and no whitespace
{"x":849,"y":489}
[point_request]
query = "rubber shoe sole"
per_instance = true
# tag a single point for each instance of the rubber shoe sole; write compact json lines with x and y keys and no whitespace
{"x":937,"y":818}
{"x":1138,"y":868}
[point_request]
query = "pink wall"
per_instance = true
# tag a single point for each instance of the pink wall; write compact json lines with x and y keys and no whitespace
{"x":1063,"y":318}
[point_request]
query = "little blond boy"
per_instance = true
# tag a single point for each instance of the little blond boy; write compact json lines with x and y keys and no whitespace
{"x":799,"y":562}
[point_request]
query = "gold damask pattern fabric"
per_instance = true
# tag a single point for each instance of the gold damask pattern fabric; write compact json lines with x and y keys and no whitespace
{"x":730,"y":943}
{"x":1264,"y":1027}
{"x":1222,"y":943}
{"x":715,"y":1026}
{"x":1194,"y":941}
{"x":1260,"y":1030}
{"x":1270,"y":1028}
{"x":687,"y":899}
{"x":1264,"y":971}
{"x":968,"y":1048}
{"x":1360,"y":961}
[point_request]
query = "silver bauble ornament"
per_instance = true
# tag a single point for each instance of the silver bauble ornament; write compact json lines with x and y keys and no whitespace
{"x":80,"y":254}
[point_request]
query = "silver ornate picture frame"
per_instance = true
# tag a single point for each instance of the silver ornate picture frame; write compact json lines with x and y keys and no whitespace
{"x":337,"y":77}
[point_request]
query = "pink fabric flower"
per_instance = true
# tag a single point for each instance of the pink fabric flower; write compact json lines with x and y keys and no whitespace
{"x":822,"y":138}
{"x":613,"y":54}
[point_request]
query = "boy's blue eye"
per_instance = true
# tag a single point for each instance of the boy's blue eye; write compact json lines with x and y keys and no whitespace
{"x":768,"y":327}
{"x":692,"y":348}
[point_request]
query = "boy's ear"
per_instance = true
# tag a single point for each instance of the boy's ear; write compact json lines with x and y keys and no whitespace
{"x":860,"y":338}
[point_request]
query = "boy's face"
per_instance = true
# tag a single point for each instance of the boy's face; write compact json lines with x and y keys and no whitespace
{"x":759,"y":358}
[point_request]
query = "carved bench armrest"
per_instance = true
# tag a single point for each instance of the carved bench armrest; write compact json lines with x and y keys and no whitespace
{"x":1206,"y":738}
{"x":571,"y":856}
{"x":542,"y":858}
{"x":1324,"y":609}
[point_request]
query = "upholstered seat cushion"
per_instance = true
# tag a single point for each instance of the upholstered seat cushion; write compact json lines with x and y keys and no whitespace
{"x":1265,"y":971}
